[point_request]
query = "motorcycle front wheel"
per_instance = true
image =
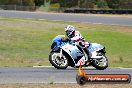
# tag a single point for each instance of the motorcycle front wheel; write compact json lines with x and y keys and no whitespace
{"x":57,"y":62}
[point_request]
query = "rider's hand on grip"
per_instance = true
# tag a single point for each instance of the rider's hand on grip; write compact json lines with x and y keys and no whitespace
{"x":65,"y":39}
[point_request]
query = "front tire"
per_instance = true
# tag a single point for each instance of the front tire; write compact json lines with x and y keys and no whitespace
{"x":57,"y":62}
{"x":100,"y":64}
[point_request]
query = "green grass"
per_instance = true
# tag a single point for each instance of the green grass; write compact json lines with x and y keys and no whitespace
{"x":26,"y":42}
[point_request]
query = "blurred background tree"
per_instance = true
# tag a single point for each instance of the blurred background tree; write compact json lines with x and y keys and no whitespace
{"x":113,"y":4}
{"x":102,"y":4}
{"x":95,"y":4}
{"x":125,"y":4}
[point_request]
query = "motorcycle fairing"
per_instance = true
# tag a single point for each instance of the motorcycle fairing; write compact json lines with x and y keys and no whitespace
{"x":73,"y":51}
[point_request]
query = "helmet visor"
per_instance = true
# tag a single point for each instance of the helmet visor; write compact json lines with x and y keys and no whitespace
{"x":68,"y":32}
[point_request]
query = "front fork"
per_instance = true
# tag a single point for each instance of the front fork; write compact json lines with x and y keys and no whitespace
{"x":60,"y":53}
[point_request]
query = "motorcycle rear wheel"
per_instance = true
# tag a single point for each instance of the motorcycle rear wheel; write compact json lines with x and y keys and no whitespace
{"x":97,"y":63}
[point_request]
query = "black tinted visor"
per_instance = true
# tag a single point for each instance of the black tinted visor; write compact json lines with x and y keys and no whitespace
{"x":68,"y":32}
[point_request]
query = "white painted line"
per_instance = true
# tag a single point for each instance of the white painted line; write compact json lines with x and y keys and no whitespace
{"x":47,"y":67}
{"x":124,"y":68}
{"x":42,"y":66}
{"x":73,"y":67}
{"x":53,"y":67}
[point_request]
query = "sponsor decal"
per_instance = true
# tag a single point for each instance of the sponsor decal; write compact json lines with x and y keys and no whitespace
{"x":82,"y":61}
{"x":83,"y":78}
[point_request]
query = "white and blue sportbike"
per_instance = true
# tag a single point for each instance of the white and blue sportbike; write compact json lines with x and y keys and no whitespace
{"x":64,"y":54}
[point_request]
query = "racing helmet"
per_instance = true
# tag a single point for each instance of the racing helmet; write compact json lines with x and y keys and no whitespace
{"x":70,"y":30}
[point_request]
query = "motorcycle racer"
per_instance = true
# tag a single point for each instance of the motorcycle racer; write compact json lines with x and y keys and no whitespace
{"x":75,"y":36}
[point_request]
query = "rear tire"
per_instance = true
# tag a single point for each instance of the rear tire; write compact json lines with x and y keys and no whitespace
{"x":96,"y":63}
{"x":54,"y":60}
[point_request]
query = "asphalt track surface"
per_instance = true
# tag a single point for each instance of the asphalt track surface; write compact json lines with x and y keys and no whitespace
{"x":97,"y":19}
{"x":50,"y":74}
